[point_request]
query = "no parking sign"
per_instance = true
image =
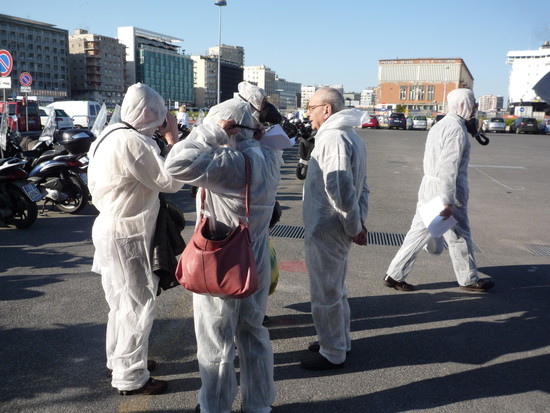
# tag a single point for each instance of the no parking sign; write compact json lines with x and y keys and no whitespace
{"x":25,"y":79}
{"x":6,"y":63}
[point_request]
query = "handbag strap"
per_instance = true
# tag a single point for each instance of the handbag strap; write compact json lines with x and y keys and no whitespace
{"x":126,"y":126}
{"x":247,"y":190}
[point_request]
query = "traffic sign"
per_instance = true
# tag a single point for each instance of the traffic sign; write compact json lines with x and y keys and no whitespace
{"x":522,"y":109}
{"x":6,"y":63}
{"x":25,"y":79}
{"x":5,"y":82}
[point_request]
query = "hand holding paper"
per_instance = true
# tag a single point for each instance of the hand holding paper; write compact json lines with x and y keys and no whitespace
{"x":435,"y":223}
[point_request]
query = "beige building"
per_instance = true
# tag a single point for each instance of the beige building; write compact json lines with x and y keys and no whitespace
{"x":97,"y":65}
{"x":205,"y":69}
{"x":232,"y":54}
{"x":420,"y":85}
{"x":261,"y":76}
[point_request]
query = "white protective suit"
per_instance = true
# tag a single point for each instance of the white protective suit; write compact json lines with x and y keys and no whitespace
{"x":125,"y":177}
{"x":334,"y":210}
{"x":446,"y":160}
{"x":255,"y":96}
{"x":208,"y":159}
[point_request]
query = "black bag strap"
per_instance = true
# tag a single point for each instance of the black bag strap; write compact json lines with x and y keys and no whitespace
{"x":126,"y":126}
{"x":247,"y":190}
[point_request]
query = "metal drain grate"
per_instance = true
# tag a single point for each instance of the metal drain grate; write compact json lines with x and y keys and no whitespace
{"x":374,"y":238}
{"x":541,"y":250}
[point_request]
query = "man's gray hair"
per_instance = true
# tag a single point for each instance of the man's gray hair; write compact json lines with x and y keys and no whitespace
{"x":334,"y":98}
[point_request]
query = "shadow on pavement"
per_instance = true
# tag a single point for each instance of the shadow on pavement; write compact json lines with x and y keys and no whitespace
{"x":511,"y":319}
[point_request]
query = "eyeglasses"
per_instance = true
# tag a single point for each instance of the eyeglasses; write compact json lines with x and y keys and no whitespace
{"x":310,"y":108}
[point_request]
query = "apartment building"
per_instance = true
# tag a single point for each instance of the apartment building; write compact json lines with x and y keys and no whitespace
{"x":420,"y":85}
{"x":490,"y":103}
{"x":261,"y":76}
{"x":97,"y":67}
{"x":156,"y":60}
{"x":288,"y":96}
{"x":40,"y":49}
{"x":232,"y":54}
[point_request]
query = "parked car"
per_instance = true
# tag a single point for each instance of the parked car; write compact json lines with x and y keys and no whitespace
{"x":62,"y":119}
{"x":371,"y":123}
{"x":544,"y":126}
{"x":419,"y":122}
{"x":437,"y":118}
{"x":524,"y":125}
{"x":494,"y":125}
{"x":23,"y":116}
{"x":397,"y":120}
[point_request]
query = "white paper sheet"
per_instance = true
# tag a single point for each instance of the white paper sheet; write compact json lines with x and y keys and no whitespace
{"x":434,"y":222}
{"x":276,"y":138}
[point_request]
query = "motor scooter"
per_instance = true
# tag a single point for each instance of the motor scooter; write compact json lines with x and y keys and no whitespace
{"x":18,"y":196}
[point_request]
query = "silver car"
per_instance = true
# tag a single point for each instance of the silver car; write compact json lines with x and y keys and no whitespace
{"x":419,"y":122}
{"x":494,"y":125}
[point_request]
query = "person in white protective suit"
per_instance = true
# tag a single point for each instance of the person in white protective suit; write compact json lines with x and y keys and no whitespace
{"x":446,"y":158}
{"x":335,"y":209}
{"x":125,"y":175}
{"x":256,"y":96}
{"x":211,"y":157}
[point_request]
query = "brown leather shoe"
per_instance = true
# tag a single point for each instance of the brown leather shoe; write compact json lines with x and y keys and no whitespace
{"x":398,"y":285}
{"x":152,"y":386}
{"x":479,"y":287}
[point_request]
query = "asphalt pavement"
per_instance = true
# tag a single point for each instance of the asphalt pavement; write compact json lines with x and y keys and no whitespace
{"x":437,"y":349}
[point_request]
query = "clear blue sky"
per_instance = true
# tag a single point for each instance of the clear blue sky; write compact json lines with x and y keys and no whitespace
{"x":325,"y":42}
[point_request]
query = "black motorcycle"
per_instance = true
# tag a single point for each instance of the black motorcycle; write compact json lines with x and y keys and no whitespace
{"x":62,"y":176}
{"x":18,"y":196}
{"x":305,"y":147}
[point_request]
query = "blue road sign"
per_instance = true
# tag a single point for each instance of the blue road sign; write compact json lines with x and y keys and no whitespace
{"x":25,"y":79}
{"x":6,"y":63}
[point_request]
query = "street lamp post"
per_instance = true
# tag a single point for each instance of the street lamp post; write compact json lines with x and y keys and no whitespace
{"x":220,"y":4}
{"x":445,"y":88}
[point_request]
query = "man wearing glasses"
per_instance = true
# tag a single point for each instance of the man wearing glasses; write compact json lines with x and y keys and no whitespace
{"x":335,"y":209}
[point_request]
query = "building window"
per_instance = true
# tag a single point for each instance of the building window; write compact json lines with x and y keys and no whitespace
{"x":420,"y":92}
{"x":431,"y":92}
{"x":412,"y":93}
{"x":403,"y":92}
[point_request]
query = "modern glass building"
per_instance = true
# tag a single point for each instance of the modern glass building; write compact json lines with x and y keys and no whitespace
{"x":169,"y":74}
{"x":154,"y":59}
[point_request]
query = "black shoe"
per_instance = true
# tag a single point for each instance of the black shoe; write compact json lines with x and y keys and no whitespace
{"x":198,"y":408}
{"x":398,"y":285}
{"x":479,"y":287}
{"x":266,"y":321}
{"x":318,"y":362}
{"x":152,"y":386}
{"x":314,"y":347}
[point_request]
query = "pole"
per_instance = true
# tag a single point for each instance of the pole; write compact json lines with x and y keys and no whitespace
{"x":219,"y":50}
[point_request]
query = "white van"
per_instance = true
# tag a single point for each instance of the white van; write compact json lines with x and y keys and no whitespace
{"x":82,"y":112}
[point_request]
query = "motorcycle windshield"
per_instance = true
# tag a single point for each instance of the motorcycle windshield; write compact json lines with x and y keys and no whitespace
{"x":4,"y":127}
{"x":100,"y":121}
{"x":49,"y":127}
{"x":115,"y":117}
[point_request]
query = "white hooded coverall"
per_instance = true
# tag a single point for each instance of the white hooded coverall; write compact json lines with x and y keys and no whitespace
{"x":446,"y":159}
{"x":208,"y":159}
{"x":125,"y":177}
{"x":335,"y":208}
